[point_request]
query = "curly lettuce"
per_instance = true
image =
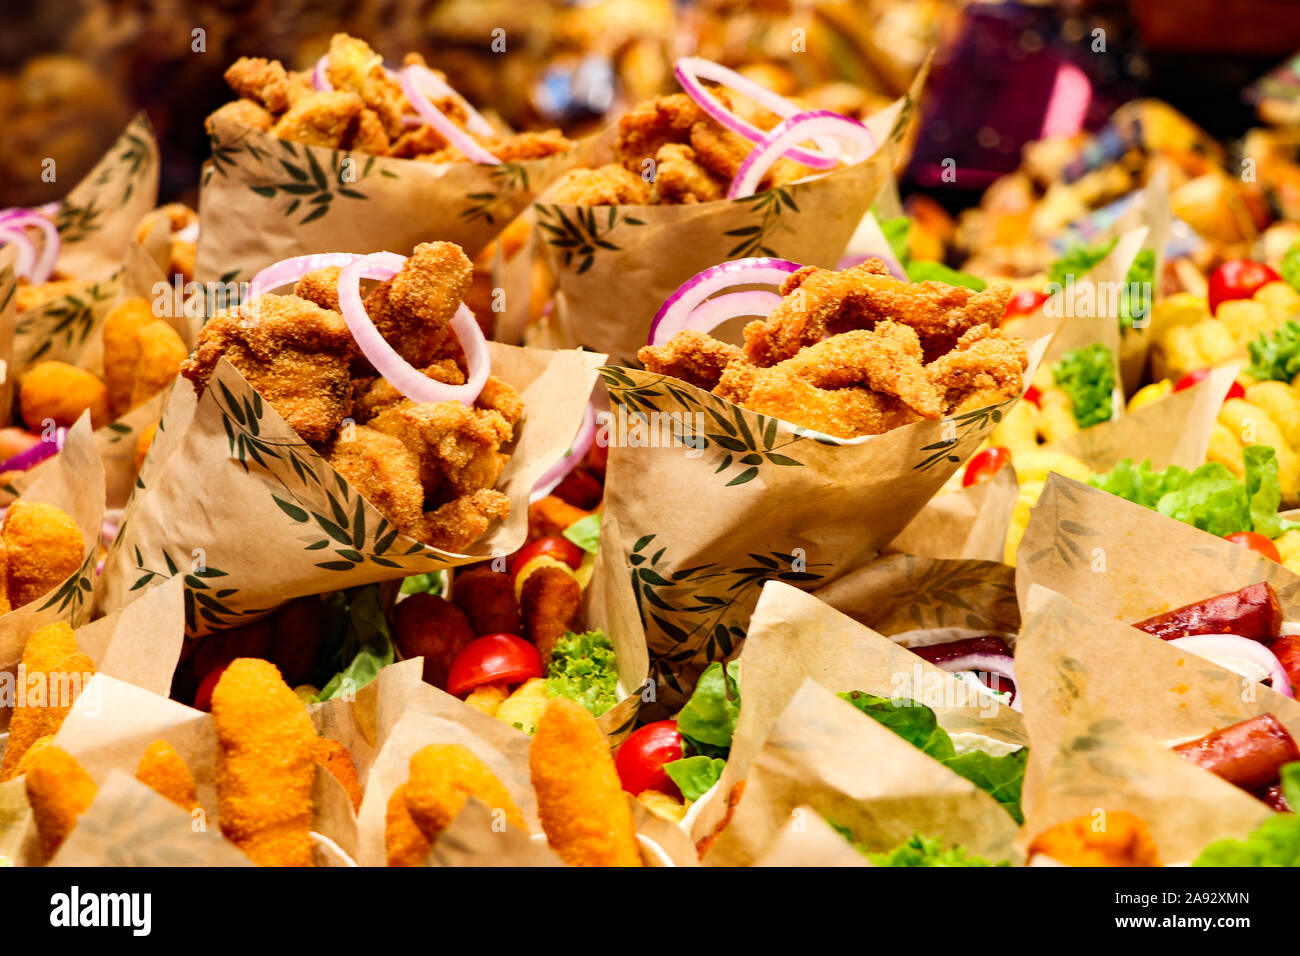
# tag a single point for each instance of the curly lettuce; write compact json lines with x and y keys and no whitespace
{"x":1290,"y":267}
{"x":1087,"y":376}
{"x":1135,"y":297}
{"x":1275,"y":356}
{"x":918,"y":850}
{"x":582,"y":668}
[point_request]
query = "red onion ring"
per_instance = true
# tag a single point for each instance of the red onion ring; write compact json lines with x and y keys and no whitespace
{"x":474,"y":120}
{"x":319,"y":77}
{"x":999,"y":664}
{"x":1215,"y":647}
{"x":25,"y":261}
{"x":582,"y":442}
{"x":294,"y":268}
{"x":31,"y":457}
{"x":41,"y":266}
{"x":675,"y":314}
{"x":690,"y":69}
{"x":796,"y":129}
{"x":414,"y":79}
{"x":403,"y":376}
{"x":710,"y":314}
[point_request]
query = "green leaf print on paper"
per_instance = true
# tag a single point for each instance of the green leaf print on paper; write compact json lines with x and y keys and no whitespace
{"x":754,"y":239}
{"x":584,"y":231}
{"x":507,"y":179}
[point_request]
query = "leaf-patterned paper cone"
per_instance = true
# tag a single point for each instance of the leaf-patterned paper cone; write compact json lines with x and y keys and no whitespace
{"x":96,"y":223}
{"x":1101,"y":765}
{"x":615,"y":265}
{"x":264,"y":199}
{"x":1069,"y":656}
{"x":823,"y":753}
{"x":713,"y":499}
{"x":75,"y":484}
{"x":117,"y":442}
{"x":141,"y":643}
{"x":968,"y":524}
{"x":794,"y":637}
{"x":236,"y":502}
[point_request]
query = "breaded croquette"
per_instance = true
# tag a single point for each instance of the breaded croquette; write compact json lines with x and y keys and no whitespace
{"x":488,"y":600}
{"x":579,"y":798}
{"x":161,"y":352}
{"x":163,"y":771}
{"x":58,"y":392}
{"x":122,"y":349}
{"x":386,"y":472}
{"x":334,"y":757}
{"x":43,"y":546}
{"x":39,"y":744}
{"x":431,"y":627}
{"x":549,"y":516}
{"x":405,"y":844}
{"x":609,"y":185}
{"x":549,"y":604}
{"x":44,"y":651}
{"x":443,"y":777}
{"x":59,"y":791}
{"x":1112,"y":838}
{"x":265,"y":764}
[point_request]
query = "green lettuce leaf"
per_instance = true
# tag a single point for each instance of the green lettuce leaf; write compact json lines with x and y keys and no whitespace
{"x":1275,"y":842}
{"x":1087,"y":375}
{"x":999,"y":777}
{"x":708,"y":720}
{"x":924,"y":851}
{"x":428,"y":583}
{"x":1134,"y":300}
{"x":695,"y":775}
{"x":1275,"y":356}
{"x":367,"y":645}
{"x":1290,"y":268}
{"x":920,"y":270}
{"x":582,"y":668}
{"x":585,"y":533}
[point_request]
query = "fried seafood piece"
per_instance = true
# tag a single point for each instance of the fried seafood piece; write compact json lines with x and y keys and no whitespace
{"x":372,"y":394}
{"x":679,"y":178}
{"x":695,"y":357}
{"x":386,"y":472}
{"x":459,"y":448}
{"x":265,"y":764}
{"x":58,"y":392}
{"x":161,"y":352}
{"x":985,"y":367}
{"x":320,"y":287}
{"x":245,"y":112}
{"x":817,"y":302}
{"x":334,"y":757}
{"x":609,"y":185}
{"x":404,"y":843}
{"x":462,"y":521}
{"x":320,"y":119}
{"x":44,"y":654}
{"x":443,"y":777}
{"x":487,"y":599}
{"x":512,"y":148}
{"x":292,"y":351}
{"x":648,"y":127}
{"x":263,"y":81}
{"x":413,"y":310}
{"x":579,"y":799}
{"x":501,"y":397}
{"x":1124,"y":840}
{"x":43,"y":546}
{"x":417,"y":141}
{"x":353,"y":66}
{"x":163,"y":771}
{"x":59,"y":791}
{"x":549,"y":604}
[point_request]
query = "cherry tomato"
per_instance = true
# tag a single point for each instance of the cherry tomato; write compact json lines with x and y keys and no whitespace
{"x":1237,"y":279}
{"x":985,"y":465}
{"x":562,"y":549}
{"x":203,"y":698}
{"x":1024,"y":302}
{"x":1235,"y":390}
{"x":641,"y":758}
{"x":493,"y":659}
{"x":1032,"y":394}
{"x":1254,"y":541}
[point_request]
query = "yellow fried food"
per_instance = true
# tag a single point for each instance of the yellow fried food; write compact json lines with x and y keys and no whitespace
{"x":39,"y":744}
{"x":1035,"y":464}
{"x":663,"y":805}
{"x":59,"y":790}
{"x":1056,"y":415}
{"x":443,"y":777}
{"x":1026,"y":498}
{"x":265,"y":764}
{"x":1150,"y":394}
{"x":523,"y":709}
{"x":405,"y":844}
{"x":334,"y":757}
{"x":58,"y":392}
{"x":122,"y":350}
{"x":488,"y":698}
{"x":161,"y":353}
{"x":1114,"y":838}
{"x":43,"y":546}
{"x":163,"y":770}
{"x":1251,"y":425}
{"x":581,"y":804}
{"x":1279,"y":400}
{"x":44,"y":651}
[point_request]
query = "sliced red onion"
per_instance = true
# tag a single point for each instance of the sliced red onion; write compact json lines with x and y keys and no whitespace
{"x":797,"y":129}
{"x":403,"y":376}
{"x":320,"y":80}
{"x":1227,"y":649}
{"x":870,"y":238}
{"x":713,"y":312}
{"x":948,"y":650}
{"x":12,"y":228}
{"x":675,"y":314}
{"x":551,"y":479}
{"x":25,"y":261}
{"x":690,"y":69}
{"x":415,"y":79}
{"x":432,"y":84}
{"x":999,"y":664}
{"x":33,"y":456}
{"x":294,"y":268}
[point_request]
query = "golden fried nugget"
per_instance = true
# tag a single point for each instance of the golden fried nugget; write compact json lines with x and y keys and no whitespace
{"x":59,"y":791}
{"x":245,"y":112}
{"x":462,"y":521}
{"x":679,"y":178}
{"x":609,"y":185}
{"x":34,"y":295}
{"x":59,"y":392}
{"x":265,"y":764}
{"x":579,"y":798}
{"x":487,"y":598}
{"x":386,"y":473}
{"x":39,"y":744}
{"x":353,"y":65}
{"x":443,"y":777}
{"x":321,"y":287}
{"x":405,"y":844}
{"x":334,"y":757}
{"x":43,"y":546}
{"x":163,"y":771}
{"x":161,"y":352}
{"x":122,"y":349}
{"x":693,"y":356}
{"x":264,"y":81}
{"x":549,"y":604}
{"x":1123,"y":839}
{"x":319,"y":119}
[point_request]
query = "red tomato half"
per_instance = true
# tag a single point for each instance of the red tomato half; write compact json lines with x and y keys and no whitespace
{"x":493,"y":659}
{"x":1032,"y":394}
{"x":561,"y":549}
{"x":203,"y":697}
{"x":985,"y":465}
{"x":1256,"y":542}
{"x":1235,"y":390}
{"x":1237,"y":279}
{"x":1024,"y":302}
{"x":641,"y":758}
